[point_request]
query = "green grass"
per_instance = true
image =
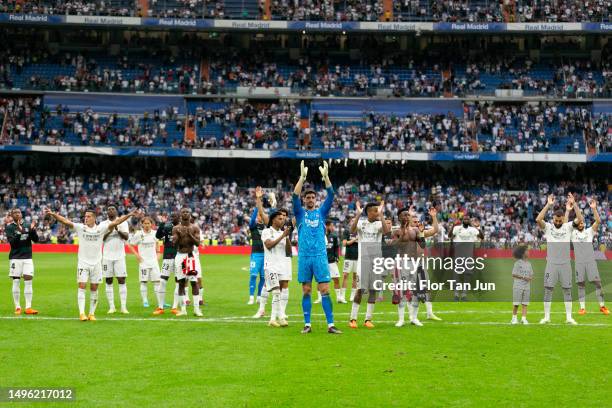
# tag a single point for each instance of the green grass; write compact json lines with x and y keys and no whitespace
{"x":472,"y":358}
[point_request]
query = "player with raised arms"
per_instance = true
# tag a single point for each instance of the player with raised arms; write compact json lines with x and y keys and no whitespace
{"x":257,"y":223}
{"x":164,"y":233}
{"x":585,"y":263}
{"x":89,"y":269}
{"x":312,"y":251}
{"x":20,"y":237}
{"x":113,"y":261}
{"x":185,"y":236}
{"x":369,"y":232}
{"x":558,"y":267}
{"x":148,"y":257}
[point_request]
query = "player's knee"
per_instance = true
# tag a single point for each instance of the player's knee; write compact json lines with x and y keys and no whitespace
{"x":93,"y":287}
{"x":109,"y":281}
{"x":27,"y":277}
{"x":581,"y":285}
{"x":306,"y":290}
{"x":165,"y":278}
{"x":597,"y":284}
{"x":120,"y":281}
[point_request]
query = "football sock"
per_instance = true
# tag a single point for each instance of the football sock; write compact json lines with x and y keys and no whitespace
{"x":582,"y":296}
{"x":275,"y":304}
{"x":143,"y":292}
{"x":252,"y":284}
{"x":284,"y":299}
{"x":81,"y":300}
{"x":17,"y":293}
{"x":160,"y":299}
{"x":93,"y":302}
{"x":110,"y":295}
{"x":27,"y":292}
{"x":354,"y":311}
{"x":163,"y":284}
{"x":123,"y":295}
{"x":369,"y":311}
{"x":327,"y":308}
{"x":307,"y":308}
{"x":261,"y":285}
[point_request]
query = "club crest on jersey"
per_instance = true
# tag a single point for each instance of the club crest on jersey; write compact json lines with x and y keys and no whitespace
{"x":314,"y":223}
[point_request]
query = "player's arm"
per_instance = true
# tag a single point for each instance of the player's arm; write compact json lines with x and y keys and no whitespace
{"x":158,"y":250}
{"x":271,"y":243}
{"x":297,"y":191}
{"x":121,"y":219}
{"x":386,"y":228}
{"x":159,"y":234}
{"x":175,"y":235}
{"x":124,"y":235}
{"x":259,"y":208}
{"x":288,"y":244}
{"x":540,"y":218}
{"x":131,"y":246}
{"x":11,"y":234}
{"x":33,"y":235}
{"x":60,"y":219}
{"x":355,"y":220}
{"x":194,"y":234}
{"x":579,"y":217}
{"x":597,"y":219}
{"x":434,"y":223}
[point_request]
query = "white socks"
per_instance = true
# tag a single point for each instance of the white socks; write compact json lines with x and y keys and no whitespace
{"x":401,"y":309}
{"x":81,"y":300}
{"x":110,"y":295}
{"x":160,"y":300}
{"x":415,"y":312}
{"x":93,"y":301}
{"x":338,"y":294}
{"x":353,"y":291}
{"x":27,"y":292}
{"x":275,"y":304}
{"x":429,"y":308}
{"x":369,"y":311}
{"x":284,"y":299}
{"x":162,"y":292}
{"x":568,"y":310}
{"x":175,"y":301}
{"x":354,"y":311}
{"x":263,"y":299}
{"x":123,"y":295}
{"x":547,"y":310}
{"x":144,"y":292}
{"x":17,"y":293}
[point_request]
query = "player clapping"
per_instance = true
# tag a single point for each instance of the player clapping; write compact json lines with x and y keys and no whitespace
{"x":20,"y":236}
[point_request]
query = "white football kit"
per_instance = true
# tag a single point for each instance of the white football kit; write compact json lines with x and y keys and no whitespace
{"x":113,"y":257}
{"x":89,"y":265}
{"x":147,"y":248}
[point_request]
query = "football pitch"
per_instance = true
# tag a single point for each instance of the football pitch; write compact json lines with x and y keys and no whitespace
{"x":474,"y":357}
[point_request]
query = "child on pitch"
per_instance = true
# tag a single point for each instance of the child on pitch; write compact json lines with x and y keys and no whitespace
{"x":522,"y":275}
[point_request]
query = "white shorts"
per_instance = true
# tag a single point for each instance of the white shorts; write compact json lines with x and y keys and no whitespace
{"x":89,"y":273}
{"x":350,"y":266}
{"x":167,"y":267}
{"x":333,"y":270}
{"x":178,"y":268}
{"x":587,"y":270}
{"x":287,"y":271}
{"x":114,"y":269}
{"x":20,"y":267}
{"x":149,"y":273}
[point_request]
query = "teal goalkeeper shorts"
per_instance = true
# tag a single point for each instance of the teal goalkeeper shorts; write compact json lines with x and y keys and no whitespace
{"x":309,"y":266}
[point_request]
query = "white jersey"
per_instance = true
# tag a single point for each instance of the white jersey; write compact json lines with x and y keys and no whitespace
{"x":369,"y":237}
{"x":558,"y":242}
{"x":90,"y":242}
{"x":583,"y":245}
{"x":114,"y":246}
{"x":147,"y":247}
{"x":276,"y":256}
{"x":462,"y":234}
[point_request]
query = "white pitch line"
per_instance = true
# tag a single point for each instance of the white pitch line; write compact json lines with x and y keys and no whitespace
{"x":249,"y":320}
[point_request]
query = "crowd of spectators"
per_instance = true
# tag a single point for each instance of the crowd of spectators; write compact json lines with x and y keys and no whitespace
{"x":222,"y":206}
{"x":483,"y":127}
{"x":333,"y":10}
{"x":403,"y":76}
